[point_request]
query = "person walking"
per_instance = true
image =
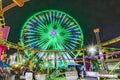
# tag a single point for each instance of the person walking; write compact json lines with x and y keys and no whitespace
{"x":78,"y":68}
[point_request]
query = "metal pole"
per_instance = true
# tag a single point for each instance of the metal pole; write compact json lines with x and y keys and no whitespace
{"x":84,"y":60}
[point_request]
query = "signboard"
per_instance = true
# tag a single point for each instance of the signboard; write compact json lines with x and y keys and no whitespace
{"x":92,"y":74}
{"x":109,"y":75}
{"x":72,"y":75}
{"x":28,"y":76}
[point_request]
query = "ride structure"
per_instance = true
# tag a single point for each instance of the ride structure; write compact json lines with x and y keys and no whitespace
{"x":4,"y":30}
{"x":101,"y":60}
{"x":51,"y":35}
{"x":52,"y":30}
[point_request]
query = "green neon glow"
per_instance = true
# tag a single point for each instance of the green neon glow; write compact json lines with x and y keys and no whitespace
{"x":115,"y":67}
{"x":52,"y":30}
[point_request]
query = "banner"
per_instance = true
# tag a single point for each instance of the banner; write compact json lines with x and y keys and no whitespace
{"x":3,"y":35}
{"x":92,"y":74}
{"x":4,"y":32}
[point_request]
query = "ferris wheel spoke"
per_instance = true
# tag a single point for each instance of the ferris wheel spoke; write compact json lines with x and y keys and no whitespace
{"x":72,"y":28}
{"x":29,"y":41}
{"x":71,"y":23}
{"x":27,"y":45}
{"x":61,"y":20}
{"x":70,"y":47}
{"x":73,"y":38}
{"x":41,"y":23}
{"x":66,"y":19}
{"x":43,"y":39}
{"x":37,"y":29}
{"x":37,"y":22}
{"x":58,"y":20}
{"x":59,"y":46}
{"x":34,"y":44}
{"x":68,"y":22}
{"x":57,"y":16}
{"x":45,"y":43}
{"x":72,"y":54}
{"x":47,"y":46}
{"x":50,"y":16}
{"x":40,"y":54}
{"x":53,"y":17}
{"x":65,"y":56}
{"x":40,"y":17}
{"x":73,"y":45}
{"x":47,"y":17}
{"x":69,"y":57}
{"x":45,"y":56}
{"x":31,"y":30}
{"x":44,"y":18}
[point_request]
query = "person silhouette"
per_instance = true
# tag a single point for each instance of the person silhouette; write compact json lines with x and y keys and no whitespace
{"x":78,"y":68}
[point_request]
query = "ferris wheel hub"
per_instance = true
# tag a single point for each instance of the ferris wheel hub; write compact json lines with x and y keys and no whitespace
{"x":53,"y":32}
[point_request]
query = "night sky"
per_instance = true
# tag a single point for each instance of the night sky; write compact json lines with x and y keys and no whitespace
{"x":90,"y":14}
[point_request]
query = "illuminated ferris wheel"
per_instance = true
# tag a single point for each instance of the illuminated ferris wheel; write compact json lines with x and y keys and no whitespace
{"x":52,"y":30}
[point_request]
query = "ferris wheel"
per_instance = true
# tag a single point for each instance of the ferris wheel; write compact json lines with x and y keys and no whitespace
{"x":52,"y":30}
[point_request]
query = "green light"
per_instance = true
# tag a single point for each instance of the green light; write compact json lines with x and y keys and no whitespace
{"x":52,"y":30}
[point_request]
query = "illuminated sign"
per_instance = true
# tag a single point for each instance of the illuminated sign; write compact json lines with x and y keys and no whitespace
{"x":92,"y":74}
{"x":4,"y":32}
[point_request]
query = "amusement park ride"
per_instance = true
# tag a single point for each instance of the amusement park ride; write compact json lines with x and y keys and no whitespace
{"x":46,"y":33}
{"x":4,"y":30}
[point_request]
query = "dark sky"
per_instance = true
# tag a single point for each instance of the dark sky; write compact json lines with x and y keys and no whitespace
{"x":90,"y":14}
